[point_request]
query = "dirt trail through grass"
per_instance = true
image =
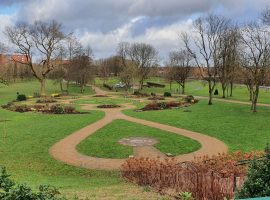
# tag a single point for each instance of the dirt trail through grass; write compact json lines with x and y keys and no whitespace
{"x":65,"y":150}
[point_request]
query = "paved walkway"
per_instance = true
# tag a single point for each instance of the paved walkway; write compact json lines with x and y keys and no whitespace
{"x":65,"y":149}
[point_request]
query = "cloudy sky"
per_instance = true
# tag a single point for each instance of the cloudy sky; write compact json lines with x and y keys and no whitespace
{"x":102,"y":24}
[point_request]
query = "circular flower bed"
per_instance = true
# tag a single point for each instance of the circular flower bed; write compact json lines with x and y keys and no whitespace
{"x":109,"y":106}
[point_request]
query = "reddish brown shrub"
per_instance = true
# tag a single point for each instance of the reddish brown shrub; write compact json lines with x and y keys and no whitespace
{"x":206,"y":178}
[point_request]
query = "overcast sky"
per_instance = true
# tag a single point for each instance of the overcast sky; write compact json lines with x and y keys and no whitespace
{"x":102,"y":24}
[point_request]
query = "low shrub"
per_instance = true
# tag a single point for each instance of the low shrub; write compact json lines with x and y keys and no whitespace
{"x":8,"y":105}
{"x":190,"y":99}
{"x":10,"y":190}
{"x":137,"y":93}
{"x":21,"y":97}
{"x":153,"y":94}
{"x":21,"y":108}
{"x":167,"y":94}
{"x":216,"y":92}
{"x":57,"y":109}
{"x":107,"y":86}
{"x":69,"y":109}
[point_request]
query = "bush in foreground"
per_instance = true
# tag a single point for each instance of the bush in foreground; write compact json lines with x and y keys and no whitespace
{"x":257,"y":183}
{"x":10,"y":190}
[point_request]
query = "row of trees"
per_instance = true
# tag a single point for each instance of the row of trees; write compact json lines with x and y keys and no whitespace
{"x":224,"y":52}
{"x":51,"y":53}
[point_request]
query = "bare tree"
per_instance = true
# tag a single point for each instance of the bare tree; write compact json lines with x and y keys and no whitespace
{"x":169,"y":74}
{"x":82,"y":70}
{"x":127,"y":76}
{"x":3,"y":50}
{"x":255,"y":57}
{"x":208,"y":32}
{"x":41,"y":41}
{"x":228,"y":59}
{"x":144,"y":57}
{"x":180,"y":63}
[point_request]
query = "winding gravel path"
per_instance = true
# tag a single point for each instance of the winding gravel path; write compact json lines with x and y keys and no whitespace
{"x":65,"y":149}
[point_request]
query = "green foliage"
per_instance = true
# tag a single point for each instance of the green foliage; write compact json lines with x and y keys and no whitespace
{"x":136,"y":93}
{"x":21,"y":97}
{"x":257,"y":183}
{"x":167,"y":94}
{"x":3,"y":81}
{"x":186,"y":196}
{"x":57,"y":109}
{"x":216,"y":92}
{"x":10,"y":190}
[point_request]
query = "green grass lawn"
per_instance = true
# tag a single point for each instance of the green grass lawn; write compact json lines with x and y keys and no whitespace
{"x":9,"y":93}
{"x":102,"y":100}
{"x":104,"y":143}
{"x":234,"y":124}
{"x":24,"y":151}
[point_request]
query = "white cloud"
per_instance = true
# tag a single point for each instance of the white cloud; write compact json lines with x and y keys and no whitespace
{"x":165,"y":39}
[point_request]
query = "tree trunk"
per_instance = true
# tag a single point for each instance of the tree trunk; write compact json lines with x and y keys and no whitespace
{"x":255,"y":99}
{"x":223,"y":91}
{"x":67,"y":86}
{"x":210,"y":93}
{"x":82,"y":88}
{"x":183,"y":88}
{"x":61,"y":85}
{"x":141,"y":84}
{"x":42,"y":87}
{"x":250,"y":95}
{"x":170,"y":86}
{"x":231,"y":91}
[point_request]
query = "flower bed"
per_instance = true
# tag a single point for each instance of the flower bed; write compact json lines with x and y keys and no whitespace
{"x":109,"y":106}
{"x":50,"y":109}
{"x":164,"y":105}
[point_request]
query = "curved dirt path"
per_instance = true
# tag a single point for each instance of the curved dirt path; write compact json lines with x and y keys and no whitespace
{"x":65,"y":149}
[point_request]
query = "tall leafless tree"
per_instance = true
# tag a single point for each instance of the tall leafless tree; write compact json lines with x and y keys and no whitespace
{"x":39,"y":42}
{"x":255,"y":57}
{"x":144,"y":56}
{"x":207,"y":35}
{"x":180,"y":63}
{"x":228,"y":59}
